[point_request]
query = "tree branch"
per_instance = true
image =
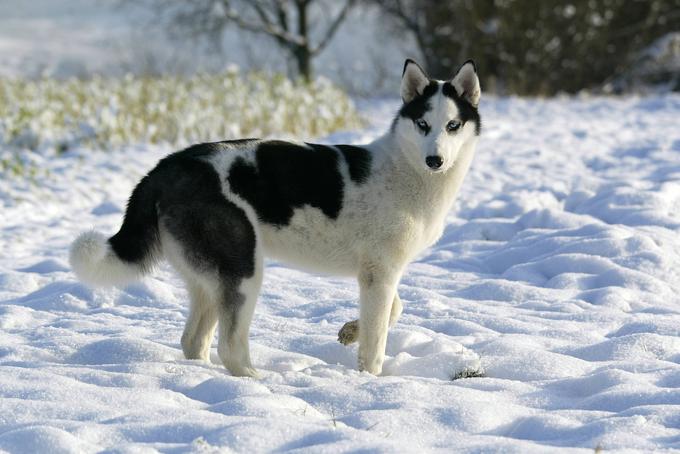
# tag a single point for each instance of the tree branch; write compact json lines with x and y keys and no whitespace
{"x":267,"y":28}
{"x":282,"y":15}
{"x":330,"y":32}
{"x":261,"y":13}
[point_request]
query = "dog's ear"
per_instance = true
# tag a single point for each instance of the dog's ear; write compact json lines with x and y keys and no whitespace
{"x":466,"y":83}
{"x":413,"y":81}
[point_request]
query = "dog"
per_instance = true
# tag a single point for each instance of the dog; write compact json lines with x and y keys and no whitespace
{"x":215,"y":210}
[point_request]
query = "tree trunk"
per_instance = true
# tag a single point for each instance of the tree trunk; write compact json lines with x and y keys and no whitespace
{"x":302,"y":52}
{"x":304,"y":62}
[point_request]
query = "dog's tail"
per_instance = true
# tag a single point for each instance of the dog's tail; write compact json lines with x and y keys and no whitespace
{"x":127,"y":255}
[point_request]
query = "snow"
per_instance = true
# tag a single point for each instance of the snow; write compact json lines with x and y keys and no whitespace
{"x":557,"y":275}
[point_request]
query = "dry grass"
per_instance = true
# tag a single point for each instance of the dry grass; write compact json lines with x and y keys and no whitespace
{"x":50,"y":114}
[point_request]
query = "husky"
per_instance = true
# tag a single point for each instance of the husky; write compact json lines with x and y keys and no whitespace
{"x":216,"y":210}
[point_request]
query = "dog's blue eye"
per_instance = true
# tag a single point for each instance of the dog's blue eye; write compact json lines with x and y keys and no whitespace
{"x":422,"y":124}
{"x":452,"y":125}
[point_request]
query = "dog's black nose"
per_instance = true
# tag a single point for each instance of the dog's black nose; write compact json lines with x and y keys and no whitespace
{"x":434,"y":162}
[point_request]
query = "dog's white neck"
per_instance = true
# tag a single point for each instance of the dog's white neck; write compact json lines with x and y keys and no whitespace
{"x":422,"y":199}
{"x":436,"y":189}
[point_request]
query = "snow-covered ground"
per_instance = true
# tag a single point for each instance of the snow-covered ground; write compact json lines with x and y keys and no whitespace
{"x":558,"y":272}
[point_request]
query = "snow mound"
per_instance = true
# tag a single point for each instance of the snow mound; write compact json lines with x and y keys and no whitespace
{"x":422,"y":356}
{"x":43,"y":439}
{"x":123,"y":351}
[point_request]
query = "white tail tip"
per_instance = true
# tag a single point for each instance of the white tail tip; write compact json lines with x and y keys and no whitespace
{"x":97,"y":265}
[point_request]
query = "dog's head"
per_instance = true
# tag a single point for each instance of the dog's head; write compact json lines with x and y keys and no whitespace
{"x":438,"y":117}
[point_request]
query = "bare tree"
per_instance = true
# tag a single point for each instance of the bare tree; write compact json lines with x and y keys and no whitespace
{"x":286,"y":21}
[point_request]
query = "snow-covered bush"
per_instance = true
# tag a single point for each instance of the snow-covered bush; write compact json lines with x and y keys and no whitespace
{"x":656,"y":69}
{"x":50,"y":114}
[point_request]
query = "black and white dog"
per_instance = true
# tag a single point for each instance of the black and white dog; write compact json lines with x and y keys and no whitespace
{"x":216,"y":210}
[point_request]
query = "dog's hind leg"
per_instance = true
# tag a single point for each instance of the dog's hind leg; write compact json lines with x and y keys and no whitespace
{"x":200,"y":326}
{"x":214,"y":245}
{"x":349,"y":333}
{"x":235,"y":314}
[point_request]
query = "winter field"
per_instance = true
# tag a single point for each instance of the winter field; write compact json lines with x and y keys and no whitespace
{"x":558,"y":276}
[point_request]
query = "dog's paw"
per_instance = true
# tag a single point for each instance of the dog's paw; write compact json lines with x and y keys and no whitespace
{"x":243,"y":371}
{"x":349,"y":333}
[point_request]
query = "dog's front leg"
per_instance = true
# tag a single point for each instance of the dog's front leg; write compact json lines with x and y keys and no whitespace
{"x":376,"y":293}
